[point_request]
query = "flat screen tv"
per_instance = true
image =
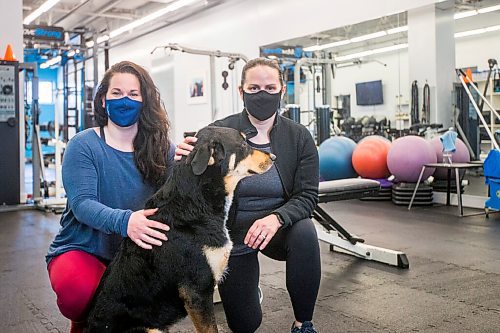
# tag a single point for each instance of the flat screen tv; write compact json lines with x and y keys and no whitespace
{"x":369,"y":93}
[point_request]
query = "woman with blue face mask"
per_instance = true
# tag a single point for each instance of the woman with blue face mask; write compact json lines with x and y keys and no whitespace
{"x":108,"y":173}
{"x":271,"y":212}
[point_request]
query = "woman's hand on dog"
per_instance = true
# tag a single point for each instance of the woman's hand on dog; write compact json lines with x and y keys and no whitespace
{"x":185,"y":147}
{"x":141,"y":230}
{"x":262,"y":231}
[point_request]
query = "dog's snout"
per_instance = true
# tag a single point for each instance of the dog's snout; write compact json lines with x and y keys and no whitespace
{"x":273,"y":157}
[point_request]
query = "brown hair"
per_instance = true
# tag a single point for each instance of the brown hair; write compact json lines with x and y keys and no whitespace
{"x":151,"y":144}
{"x":261,"y":62}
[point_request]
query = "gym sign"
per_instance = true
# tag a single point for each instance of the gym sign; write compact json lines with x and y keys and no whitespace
{"x":282,"y":52}
{"x":45,"y":33}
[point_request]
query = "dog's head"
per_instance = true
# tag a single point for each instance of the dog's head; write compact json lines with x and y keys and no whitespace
{"x":225,"y":151}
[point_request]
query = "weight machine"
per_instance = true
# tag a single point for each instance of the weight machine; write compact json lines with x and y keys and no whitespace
{"x":41,"y":187}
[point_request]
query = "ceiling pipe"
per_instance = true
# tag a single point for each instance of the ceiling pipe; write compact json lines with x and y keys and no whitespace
{"x":83,"y":3}
{"x":99,"y":12}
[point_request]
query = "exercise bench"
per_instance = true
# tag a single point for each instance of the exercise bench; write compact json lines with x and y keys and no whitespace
{"x":340,"y":239}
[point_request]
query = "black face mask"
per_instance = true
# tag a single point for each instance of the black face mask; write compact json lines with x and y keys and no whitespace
{"x":262,"y":105}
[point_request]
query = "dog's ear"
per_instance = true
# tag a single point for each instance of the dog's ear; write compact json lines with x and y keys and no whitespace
{"x":207,"y":155}
{"x":201,"y":160}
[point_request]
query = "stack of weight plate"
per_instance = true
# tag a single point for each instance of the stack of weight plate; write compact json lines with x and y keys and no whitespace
{"x":384,"y":194}
{"x":402,"y":193}
{"x":440,"y":186}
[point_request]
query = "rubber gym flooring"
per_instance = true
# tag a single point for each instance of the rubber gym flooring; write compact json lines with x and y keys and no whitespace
{"x":452,"y":285}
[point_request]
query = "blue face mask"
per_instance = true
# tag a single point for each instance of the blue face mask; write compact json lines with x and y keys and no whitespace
{"x":123,"y":111}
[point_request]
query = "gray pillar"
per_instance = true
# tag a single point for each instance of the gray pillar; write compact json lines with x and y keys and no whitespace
{"x":431,"y":56}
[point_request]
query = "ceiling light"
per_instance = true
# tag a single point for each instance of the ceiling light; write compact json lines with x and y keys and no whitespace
{"x":170,"y":8}
{"x":461,"y":15}
{"x":371,"y":52}
{"x":488,"y":9}
{"x":492,"y":28}
{"x":327,"y":46}
{"x":477,"y":31}
{"x":397,"y":30}
{"x":357,"y":39}
{"x":40,"y":10}
{"x":51,"y":62}
{"x":470,"y":33}
{"x":349,"y":63}
{"x":100,"y":39}
{"x":469,"y":13}
{"x":369,"y":36}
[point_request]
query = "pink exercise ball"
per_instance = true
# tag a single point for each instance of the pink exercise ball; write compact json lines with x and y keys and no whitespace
{"x":407,"y":157}
{"x":461,"y":155}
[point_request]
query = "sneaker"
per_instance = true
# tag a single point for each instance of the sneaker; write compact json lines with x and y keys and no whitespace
{"x":307,"y":327}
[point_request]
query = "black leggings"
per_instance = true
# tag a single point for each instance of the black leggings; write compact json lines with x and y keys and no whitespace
{"x":298,"y":246}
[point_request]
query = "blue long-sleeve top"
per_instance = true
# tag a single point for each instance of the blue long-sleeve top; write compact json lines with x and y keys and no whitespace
{"x":103,"y":187}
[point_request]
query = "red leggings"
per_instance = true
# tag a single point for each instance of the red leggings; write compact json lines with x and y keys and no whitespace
{"x":74,"y":276}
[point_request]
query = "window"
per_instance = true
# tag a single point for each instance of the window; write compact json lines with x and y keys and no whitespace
{"x":45,"y":92}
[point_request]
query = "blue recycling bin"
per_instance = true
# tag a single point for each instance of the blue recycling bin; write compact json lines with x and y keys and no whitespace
{"x":492,"y":176}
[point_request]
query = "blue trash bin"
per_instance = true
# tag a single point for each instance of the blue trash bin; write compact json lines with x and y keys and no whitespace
{"x":492,"y":175}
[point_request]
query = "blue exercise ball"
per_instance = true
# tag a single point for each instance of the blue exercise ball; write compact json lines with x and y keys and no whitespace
{"x":335,"y":158}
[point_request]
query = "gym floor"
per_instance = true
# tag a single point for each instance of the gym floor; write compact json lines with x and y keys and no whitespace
{"x":453,"y":284}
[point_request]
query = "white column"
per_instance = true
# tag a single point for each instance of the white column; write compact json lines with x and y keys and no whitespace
{"x":11,"y":26}
{"x":431,"y":55}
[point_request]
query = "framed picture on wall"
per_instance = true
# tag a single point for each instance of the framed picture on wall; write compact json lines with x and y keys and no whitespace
{"x":197,"y":89}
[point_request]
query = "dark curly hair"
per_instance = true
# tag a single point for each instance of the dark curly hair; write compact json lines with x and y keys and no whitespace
{"x":151,"y":144}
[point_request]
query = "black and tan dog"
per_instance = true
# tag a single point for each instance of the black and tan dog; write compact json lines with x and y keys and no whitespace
{"x":149,"y":290}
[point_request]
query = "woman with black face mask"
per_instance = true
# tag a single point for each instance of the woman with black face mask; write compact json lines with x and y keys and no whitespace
{"x":271,"y":212}
{"x":109,"y":172}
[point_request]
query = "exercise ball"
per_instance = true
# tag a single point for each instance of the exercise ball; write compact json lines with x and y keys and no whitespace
{"x":407,"y":157}
{"x":369,"y":158}
{"x":335,"y":156}
{"x":460,"y":155}
{"x":371,"y":137}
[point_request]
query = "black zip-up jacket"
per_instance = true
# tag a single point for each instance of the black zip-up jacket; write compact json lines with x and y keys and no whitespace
{"x":296,"y":161}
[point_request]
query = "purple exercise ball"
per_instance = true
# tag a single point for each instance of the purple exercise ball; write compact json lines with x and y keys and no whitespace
{"x":407,"y":157}
{"x":461,"y":155}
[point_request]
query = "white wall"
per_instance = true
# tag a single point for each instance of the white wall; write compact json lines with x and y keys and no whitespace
{"x":11,"y":25}
{"x":476,"y":50}
{"x":394,"y":76}
{"x":242,"y":26}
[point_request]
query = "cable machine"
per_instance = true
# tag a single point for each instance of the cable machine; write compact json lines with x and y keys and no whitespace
{"x":42,"y":197}
{"x":74,"y":97}
{"x":321,"y":92}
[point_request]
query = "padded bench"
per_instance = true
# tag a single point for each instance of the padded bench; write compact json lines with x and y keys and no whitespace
{"x":342,"y":240}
